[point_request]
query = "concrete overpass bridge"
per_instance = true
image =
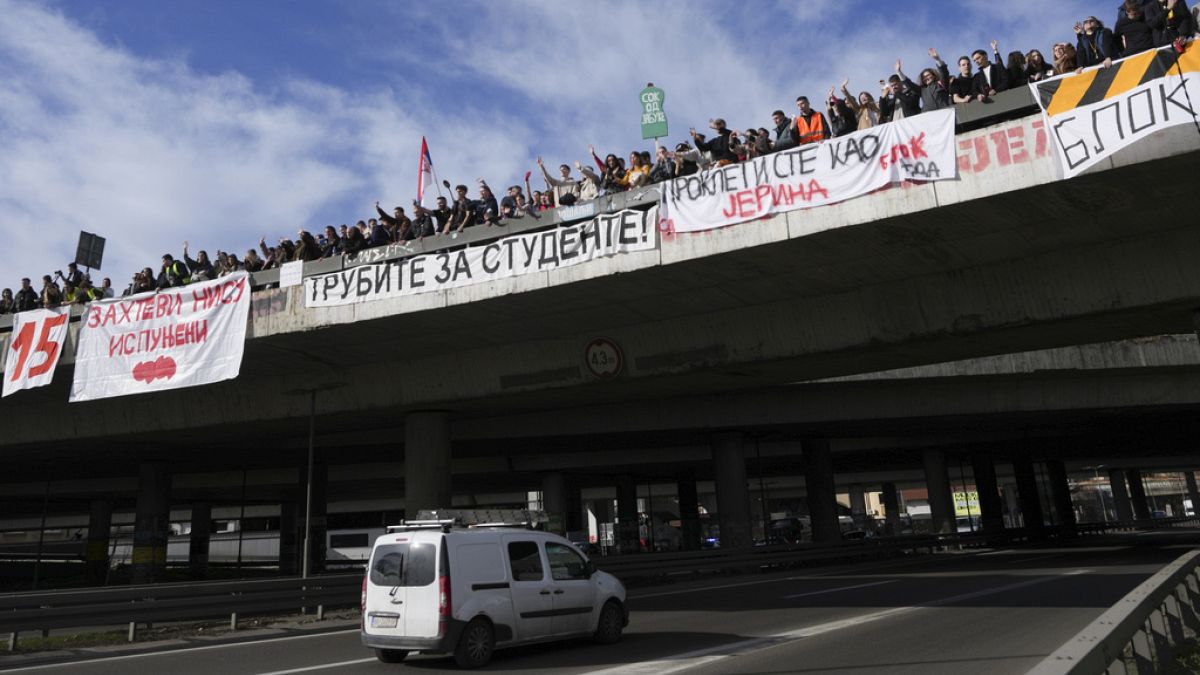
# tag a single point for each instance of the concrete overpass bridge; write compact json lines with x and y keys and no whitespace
{"x":1009,"y":319}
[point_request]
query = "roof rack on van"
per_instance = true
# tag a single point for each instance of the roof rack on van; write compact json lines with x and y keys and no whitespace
{"x":446,"y":518}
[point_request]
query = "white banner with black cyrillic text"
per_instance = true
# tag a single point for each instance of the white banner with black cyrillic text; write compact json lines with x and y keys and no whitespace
{"x":37,"y":341}
{"x":1095,"y":113}
{"x":564,"y":246}
{"x":918,"y":148}
{"x":179,"y":337}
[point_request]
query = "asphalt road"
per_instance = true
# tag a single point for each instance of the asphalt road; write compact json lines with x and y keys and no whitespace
{"x":997,"y":612}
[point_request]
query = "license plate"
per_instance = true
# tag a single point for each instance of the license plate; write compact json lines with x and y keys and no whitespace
{"x":384,"y":621}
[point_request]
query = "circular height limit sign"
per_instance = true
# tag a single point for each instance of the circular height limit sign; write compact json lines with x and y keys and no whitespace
{"x":603,"y":358}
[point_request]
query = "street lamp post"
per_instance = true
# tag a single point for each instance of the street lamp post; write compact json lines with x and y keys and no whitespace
{"x":306,"y":559}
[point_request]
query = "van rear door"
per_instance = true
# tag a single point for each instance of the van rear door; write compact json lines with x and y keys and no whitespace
{"x":399,"y":578}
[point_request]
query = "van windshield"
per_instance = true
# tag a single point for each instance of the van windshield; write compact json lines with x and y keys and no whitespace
{"x":403,"y":565}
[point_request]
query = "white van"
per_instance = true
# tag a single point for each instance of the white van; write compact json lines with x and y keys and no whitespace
{"x":441,"y":587}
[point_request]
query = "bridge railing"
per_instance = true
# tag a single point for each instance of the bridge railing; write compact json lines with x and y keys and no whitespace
{"x":1140,"y":633}
{"x":969,"y":116}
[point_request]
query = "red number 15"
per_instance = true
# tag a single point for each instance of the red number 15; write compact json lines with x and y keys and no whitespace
{"x":24,"y":341}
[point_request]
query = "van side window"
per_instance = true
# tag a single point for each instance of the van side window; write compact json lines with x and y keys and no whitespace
{"x":526,"y":561}
{"x":565,"y":563}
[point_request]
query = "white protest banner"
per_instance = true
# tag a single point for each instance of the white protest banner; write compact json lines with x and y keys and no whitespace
{"x":291,"y":274}
{"x":37,"y":341}
{"x":179,"y":337}
{"x":602,"y":236}
{"x":1093,"y":114}
{"x":914,"y":148}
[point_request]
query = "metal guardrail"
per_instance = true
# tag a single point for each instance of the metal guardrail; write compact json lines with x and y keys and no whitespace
{"x":717,"y":560}
{"x":45,"y":610}
{"x":1140,"y":632}
{"x":172,"y":602}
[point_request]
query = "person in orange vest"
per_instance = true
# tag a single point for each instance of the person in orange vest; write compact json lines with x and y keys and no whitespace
{"x":811,"y":125}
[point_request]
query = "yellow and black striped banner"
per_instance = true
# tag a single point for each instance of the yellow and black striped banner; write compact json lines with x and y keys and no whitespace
{"x":1063,"y":94}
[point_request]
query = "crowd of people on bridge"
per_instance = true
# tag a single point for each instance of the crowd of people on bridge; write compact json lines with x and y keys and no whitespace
{"x":1139,"y":25}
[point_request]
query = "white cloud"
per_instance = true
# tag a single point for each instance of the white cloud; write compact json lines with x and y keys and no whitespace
{"x":149,"y":152}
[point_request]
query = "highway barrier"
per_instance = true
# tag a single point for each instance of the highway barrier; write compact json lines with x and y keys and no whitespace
{"x":133,"y":605}
{"x":1140,"y":633}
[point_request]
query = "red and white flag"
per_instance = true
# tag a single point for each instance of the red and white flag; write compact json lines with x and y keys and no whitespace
{"x":426,"y":178}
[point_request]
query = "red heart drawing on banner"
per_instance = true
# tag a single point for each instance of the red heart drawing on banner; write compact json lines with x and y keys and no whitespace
{"x":149,"y":371}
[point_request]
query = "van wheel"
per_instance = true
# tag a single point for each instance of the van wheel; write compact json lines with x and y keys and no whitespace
{"x":390,"y":655}
{"x":476,"y":645}
{"x":608,"y":628}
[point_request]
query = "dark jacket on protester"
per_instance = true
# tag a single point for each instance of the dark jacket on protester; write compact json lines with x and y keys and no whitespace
{"x":937,"y":95}
{"x":174,"y":273}
{"x":353,"y":242}
{"x":663,"y":169}
{"x":1091,"y":50}
{"x":423,"y":225}
{"x":1132,"y":35}
{"x":719,"y":146}
{"x":200,"y":270}
{"x":908,"y":100}
{"x":26,"y":299}
{"x":844,"y":121}
{"x":785,"y":135}
{"x":1170,"y":25}
{"x":999,"y":75}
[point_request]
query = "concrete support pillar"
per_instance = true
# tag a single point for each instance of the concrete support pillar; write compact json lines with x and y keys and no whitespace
{"x":1137,"y":494}
{"x":427,"y":483}
{"x":576,"y":522}
{"x":1193,"y":494}
{"x":289,"y":540}
{"x":991,"y":507}
{"x":151,"y":526}
{"x":891,"y":507}
{"x":689,"y":513}
{"x":627,"y":515}
{"x":198,"y":542}
{"x":96,"y":554}
{"x":554,"y":501}
{"x":1121,"y":504}
{"x":1027,"y":493}
{"x":317,"y":529}
{"x":1060,"y":491}
{"x":858,"y":506}
{"x":937,"y":483}
{"x":733,"y":497}
{"x":1014,"y":506}
{"x":822,"y":495}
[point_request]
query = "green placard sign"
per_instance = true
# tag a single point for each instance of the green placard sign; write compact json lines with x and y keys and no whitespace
{"x":654,"y":120}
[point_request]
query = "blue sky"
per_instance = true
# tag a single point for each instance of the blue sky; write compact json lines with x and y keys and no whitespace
{"x":216,"y":122}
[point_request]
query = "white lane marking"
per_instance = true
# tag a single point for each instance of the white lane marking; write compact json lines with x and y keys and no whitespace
{"x":842,"y":588}
{"x":320,"y":667}
{"x":701,"y":657}
{"x":697,"y":589}
{"x":172,"y":652}
{"x":1036,"y":557}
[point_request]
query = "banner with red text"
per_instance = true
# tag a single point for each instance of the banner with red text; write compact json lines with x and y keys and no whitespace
{"x":179,"y":337}
{"x":37,"y":341}
{"x":1095,"y":113}
{"x":918,"y":148}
